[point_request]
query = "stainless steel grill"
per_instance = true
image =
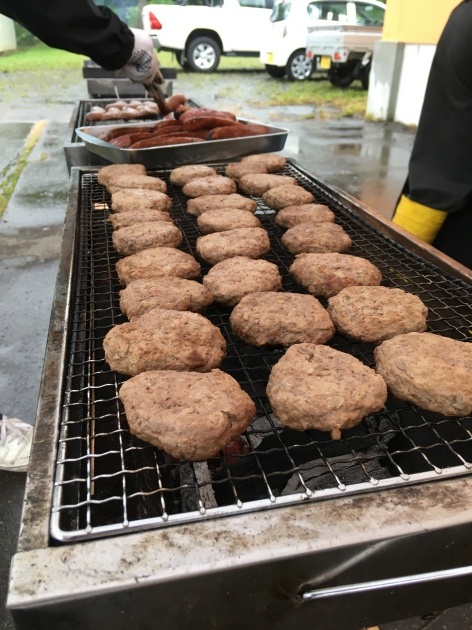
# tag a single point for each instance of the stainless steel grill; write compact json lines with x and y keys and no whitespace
{"x":109,"y":482}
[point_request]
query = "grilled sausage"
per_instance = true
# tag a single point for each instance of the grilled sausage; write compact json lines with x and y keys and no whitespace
{"x":124,"y":131}
{"x":238,"y":130}
{"x":125,"y":141}
{"x":174,"y":101}
{"x":160,"y":141}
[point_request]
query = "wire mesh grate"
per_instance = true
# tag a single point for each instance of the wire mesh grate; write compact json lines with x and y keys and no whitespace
{"x":109,"y":482}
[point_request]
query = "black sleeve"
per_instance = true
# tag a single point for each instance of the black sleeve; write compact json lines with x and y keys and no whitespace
{"x":78,"y":26}
{"x":440,"y":170}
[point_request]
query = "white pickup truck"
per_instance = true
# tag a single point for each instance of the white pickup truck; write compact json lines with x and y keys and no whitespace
{"x":200,"y":31}
{"x":344,"y":50}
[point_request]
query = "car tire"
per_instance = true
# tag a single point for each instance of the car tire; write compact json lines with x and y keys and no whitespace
{"x":299,"y":67}
{"x":276,"y":72}
{"x":203,"y":54}
{"x":181,"y":60}
{"x":365,"y":76}
{"x":342,"y":76}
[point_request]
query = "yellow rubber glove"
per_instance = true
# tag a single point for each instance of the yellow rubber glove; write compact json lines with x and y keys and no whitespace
{"x":422,"y":221}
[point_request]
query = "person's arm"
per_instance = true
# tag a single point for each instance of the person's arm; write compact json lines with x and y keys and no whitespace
{"x":78,"y":26}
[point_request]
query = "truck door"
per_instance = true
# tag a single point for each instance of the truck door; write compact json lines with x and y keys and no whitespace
{"x":251,"y":17}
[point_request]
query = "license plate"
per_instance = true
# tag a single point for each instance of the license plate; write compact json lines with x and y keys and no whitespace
{"x":270,"y":57}
{"x":325,"y":63}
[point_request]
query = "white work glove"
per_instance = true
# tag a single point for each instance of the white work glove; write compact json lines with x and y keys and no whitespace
{"x":142,"y":66}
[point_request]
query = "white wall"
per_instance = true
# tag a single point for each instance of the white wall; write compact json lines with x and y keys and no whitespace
{"x":7,"y":34}
{"x":398,"y":81}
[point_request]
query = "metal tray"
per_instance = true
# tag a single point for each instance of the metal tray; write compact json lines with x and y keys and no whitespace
{"x":167,"y":157}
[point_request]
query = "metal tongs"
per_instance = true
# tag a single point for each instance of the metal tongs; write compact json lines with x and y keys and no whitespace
{"x":155,"y":92}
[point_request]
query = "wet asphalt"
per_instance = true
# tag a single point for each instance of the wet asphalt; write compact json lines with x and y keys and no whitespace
{"x":367,"y":159}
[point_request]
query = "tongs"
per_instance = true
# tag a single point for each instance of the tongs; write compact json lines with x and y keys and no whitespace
{"x":156,"y":93}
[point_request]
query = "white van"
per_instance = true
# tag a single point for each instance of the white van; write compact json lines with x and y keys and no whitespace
{"x":284,"y":38}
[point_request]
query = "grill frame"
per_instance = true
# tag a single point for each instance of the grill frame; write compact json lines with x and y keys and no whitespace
{"x":194,"y":480}
{"x":267,"y":560}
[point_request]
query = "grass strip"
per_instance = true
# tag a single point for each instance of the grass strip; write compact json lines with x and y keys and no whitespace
{"x":10,"y":175}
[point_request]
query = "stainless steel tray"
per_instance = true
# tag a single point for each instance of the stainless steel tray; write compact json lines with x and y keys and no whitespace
{"x":167,"y":157}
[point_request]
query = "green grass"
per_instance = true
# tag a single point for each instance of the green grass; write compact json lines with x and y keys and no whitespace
{"x":10,"y":175}
{"x":38,"y":62}
{"x":318,"y":91}
{"x":39,"y":58}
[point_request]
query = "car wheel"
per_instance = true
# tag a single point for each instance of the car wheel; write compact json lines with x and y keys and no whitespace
{"x":342,"y":76}
{"x":181,"y":60}
{"x":299,"y":67}
{"x":275,"y":71}
{"x":203,"y":54}
{"x":365,"y":76}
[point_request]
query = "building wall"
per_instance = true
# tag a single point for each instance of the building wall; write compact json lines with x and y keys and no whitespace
{"x":402,"y":59}
{"x":416,"y":21}
{"x":7,"y":34}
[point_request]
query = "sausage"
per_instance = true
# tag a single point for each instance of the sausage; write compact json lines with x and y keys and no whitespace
{"x":184,"y":132}
{"x":160,"y":141}
{"x":123,"y":142}
{"x":165,"y":131}
{"x":207,"y":122}
{"x":169,"y":122}
{"x":174,"y":101}
{"x":237,"y":131}
{"x":181,"y":109}
{"x":124,"y":131}
{"x":205,"y":111}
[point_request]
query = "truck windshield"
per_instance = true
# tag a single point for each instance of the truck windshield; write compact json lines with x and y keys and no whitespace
{"x":280,"y":11}
{"x":369,"y":15}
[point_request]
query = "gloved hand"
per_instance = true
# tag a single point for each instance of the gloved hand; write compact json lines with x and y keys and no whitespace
{"x":142,"y":66}
{"x":420,"y":220}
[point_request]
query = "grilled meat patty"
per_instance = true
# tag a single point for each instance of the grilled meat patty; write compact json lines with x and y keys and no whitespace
{"x":317,"y":387}
{"x":135,"y":199}
{"x":428,"y":370}
{"x":133,"y":217}
{"x":290,"y":216}
{"x":175,"y":294}
{"x":134,"y":238}
{"x":189,"y":415}
{"x":268,"y":318}
{"x":107,"y":172}
{"x":271,"y":161}
{"x":282,"y":196}
{"x":132,"y":181}
{"x":250,"y":242}
{"x":316,"y":238}
{"x":372,"y":314}
{"x":164,"y":340}
{"x":229,"y":219}
{"x":235,"y":277}
{"x":156,"y":263}
{"x":258,"y":183}
{"x":327,"y":274}
{"x":211,"y":185}
{"x":183,"y":174}
{"x":236,"y":170}
{"x":202,"y":204}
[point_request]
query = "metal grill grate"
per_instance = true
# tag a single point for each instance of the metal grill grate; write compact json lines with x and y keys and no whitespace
{"x":107,"y":481}
{"x":85,"y":107}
